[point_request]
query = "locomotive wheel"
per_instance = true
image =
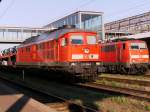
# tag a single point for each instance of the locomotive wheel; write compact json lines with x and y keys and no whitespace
{"x":142,"y":70}
{"x":123,"y":70}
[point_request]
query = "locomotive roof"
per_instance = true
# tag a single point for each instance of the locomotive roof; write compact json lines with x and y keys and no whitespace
{"x":51,"y":35}
{"x":121,"y":41}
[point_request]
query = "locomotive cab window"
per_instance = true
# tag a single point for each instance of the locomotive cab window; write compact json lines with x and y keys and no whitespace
{"x":134,"y":46}
{"x":138,"y":46}
{"x":91,"y":39}
{"x":142,"y":46}
{"x":76,"y":39}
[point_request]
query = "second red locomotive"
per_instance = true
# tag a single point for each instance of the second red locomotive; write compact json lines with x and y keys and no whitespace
{"x":129,"y":57}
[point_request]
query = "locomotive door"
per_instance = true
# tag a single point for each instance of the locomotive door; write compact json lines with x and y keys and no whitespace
{"x":56,"y":50}
{"x":63,"y":52}
{"x":119,"y":52}
{"x":33,"y":52}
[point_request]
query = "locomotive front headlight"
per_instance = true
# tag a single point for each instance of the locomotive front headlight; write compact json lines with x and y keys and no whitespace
{"x":73,"y":64}
{"x":133,"y":60}
{"x":98,"y":63}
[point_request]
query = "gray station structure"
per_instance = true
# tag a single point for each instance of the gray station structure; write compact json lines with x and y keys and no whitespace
{"x":134,"y":24}
{"x":88,"y":20}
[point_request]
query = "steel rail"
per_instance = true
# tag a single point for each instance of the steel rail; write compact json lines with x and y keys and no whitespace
{"x":126,"y":80}
{"x":142,"y":94}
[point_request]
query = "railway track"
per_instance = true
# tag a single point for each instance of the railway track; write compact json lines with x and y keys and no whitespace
{"x":62,"y":104}
{"x":59,"y":104}
{"x":141,"y":82}
{"x":141,"y":94}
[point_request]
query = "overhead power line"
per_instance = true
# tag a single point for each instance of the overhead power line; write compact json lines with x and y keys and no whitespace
{"x":88,"y":2}
{"x":143,"y":3}
{"x":7,"y":8}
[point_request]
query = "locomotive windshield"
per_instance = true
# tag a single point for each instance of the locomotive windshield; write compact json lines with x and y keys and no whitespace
{"x":76,"y":39}
{"x":91,"y":39}
{"x":138,"y":46}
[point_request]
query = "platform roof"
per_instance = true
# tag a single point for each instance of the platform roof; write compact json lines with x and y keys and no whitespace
{"x":13,"y":28}
{"x":140,"y":35}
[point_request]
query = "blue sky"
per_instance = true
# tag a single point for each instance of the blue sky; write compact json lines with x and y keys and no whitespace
{"x":37,"y":13}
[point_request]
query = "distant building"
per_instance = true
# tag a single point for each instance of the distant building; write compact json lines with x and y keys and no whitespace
{"x":82,"y":19}
{"x":135,"y":24}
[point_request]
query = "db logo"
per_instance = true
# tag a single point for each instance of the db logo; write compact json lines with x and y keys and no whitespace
{"x":86,"y":50}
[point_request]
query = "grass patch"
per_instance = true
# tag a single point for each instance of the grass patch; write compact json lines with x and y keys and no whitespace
{"x":119,"y":84}
{"x":134,"y":77}
{"x":120,"y":100}
{"x":147,"y":107}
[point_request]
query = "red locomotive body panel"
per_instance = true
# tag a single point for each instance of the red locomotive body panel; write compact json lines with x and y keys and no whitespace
{"x":61,"y":50}
{"x":114,"y":53}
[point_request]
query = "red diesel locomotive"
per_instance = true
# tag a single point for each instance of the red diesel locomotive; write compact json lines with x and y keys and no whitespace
{"x":129,"y":57}
{"x":66,"y":49}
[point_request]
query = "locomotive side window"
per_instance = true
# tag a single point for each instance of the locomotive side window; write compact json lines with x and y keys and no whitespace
{"x":134,"y":46}
{"x":63,"y":42}
{"x":142,"y":46}
{"x":41,"y":46}
{"x":124,"y":46}
{"x":138,"y":46}
{"x":28,"y":49}
{"x":91,"y":40}
{"x":76,"y":39}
